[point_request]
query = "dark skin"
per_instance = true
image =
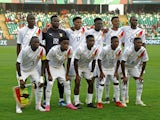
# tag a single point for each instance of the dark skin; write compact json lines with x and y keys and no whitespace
{"x":77,"y":24}
{"x":114,"y":45}
{"x":115,"y":23}
{"x":64,"y":46}
{"x":90,"y":43}
{"x":137,"y":46}
{"x":34,"y":46}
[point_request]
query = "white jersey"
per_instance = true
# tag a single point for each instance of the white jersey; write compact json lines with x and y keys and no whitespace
{"x":109,"y":57}
{"x":119,"y":33}
{"x":85,"y":56}
{"x":130,"y":34}
{"x":133,"y":57}
{"x":76,"y":37}
{"x":57,"y":57}
{"x":29,"y":59}
{"x":98,"y":36}
{"x":25,"y":34}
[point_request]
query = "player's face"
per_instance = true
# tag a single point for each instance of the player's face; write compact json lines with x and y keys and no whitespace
{"x":133,"y":21}
{"x":78,"y":23}
{"x":90,"y":42}
{"x":64,"y":45}
{"x":31,"y":21}
{"x":138,"y":44}
{"x":115,"y":22}
{"x":55,"y":22}
{"x":98,"y":25}
{"x":35,"y":44}
{"x":115,"y":43}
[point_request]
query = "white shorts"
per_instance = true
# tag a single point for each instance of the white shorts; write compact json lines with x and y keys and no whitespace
{"x":34,"y":75}
{"x":132,"y":72}
{"x":58,"y":73}
{"x":85,"y":72}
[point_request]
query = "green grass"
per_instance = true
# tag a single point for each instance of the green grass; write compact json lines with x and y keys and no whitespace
{"x":151,"y":95}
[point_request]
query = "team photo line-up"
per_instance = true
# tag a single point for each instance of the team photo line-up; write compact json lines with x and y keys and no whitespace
{"x":101,"y":56}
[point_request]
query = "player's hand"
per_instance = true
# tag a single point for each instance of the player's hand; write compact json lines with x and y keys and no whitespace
{"x":22,"y":84}
{"x":101,"y":75}
{"x":105,"y":30}
{"x":140,"y":79}
{"x":125,"y":79}
{"x":44,"y":30}
{"x":116,"y":75}
{"x":50,"y":78}
{"x":67,"y":77}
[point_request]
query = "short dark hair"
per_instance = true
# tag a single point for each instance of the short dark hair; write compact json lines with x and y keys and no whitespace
{"x":96,"y":19}
{"x":76,"y":18}
{"x":89,"y":36}
{"x":33,"y":37}
{"x":53,"y":16}
{"x":137,"y":38}
{"x":113,"y":38}
{"x":63,"y":38}
{"x":114,"y":17}
{"x":30,"y":15}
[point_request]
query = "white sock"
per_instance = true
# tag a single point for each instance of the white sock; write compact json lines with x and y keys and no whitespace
{"x":39,"y":96}
{"x":90,"y":97}
{"x":100,"y":93}
{"x":49,"y":92}
{"x":116,"y":92}
{"x":96,"y":87}
{"x":123,"y":89}
{"x":139,"y":86}
{"x":107,"y":88}
{"x":76,"y":99}
{"x":127,"y":90}
{"x":67,"y":91}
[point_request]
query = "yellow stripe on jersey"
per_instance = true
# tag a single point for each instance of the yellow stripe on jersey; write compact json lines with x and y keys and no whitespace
{"x":43,"y":57}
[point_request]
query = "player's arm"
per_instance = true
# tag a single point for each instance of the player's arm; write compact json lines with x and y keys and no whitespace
{"x":18,"y":68}
{"x":18,"y":48}
{"x":143,"y":68}
{"x":68,"y":66}
{"x":100,"y":69}
{"x":123,"y":71}
{"x":48,"y":71}
{"x":93,"y":65}
{"x":116,"y":70}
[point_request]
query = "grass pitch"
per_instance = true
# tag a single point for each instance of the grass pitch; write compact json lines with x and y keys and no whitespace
{"x":151,"y":95}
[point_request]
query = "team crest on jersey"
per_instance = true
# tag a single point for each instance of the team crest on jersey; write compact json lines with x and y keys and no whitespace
{"x":60,"y":35}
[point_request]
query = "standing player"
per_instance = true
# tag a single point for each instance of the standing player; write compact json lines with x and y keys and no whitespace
{"x":99,"y":37}
{"x":77,"y":38}
{"x":56,"y":57}
{"x":27,"y":62}
{"x":108,"y":57}
{"x":130,"y":59}
{"x":114,"y":31}
{"x":130,"y":32}
{"x":83,"y":56}
{"x":51,"y":37}
{"x":25,"y":34}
